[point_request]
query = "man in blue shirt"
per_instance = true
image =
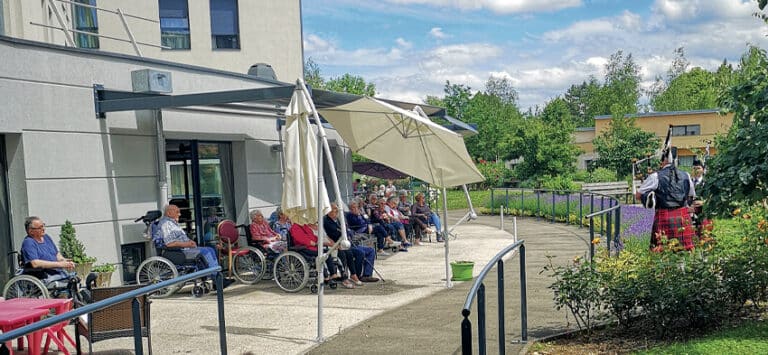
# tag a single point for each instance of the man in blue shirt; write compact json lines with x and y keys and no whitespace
{"x":40,"y":252}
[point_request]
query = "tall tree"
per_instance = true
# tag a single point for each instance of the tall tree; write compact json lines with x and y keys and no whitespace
{"x":351,"y":84}
{"x":556,"y":112}
{"x":679,"y":65}
{"x":738,"y":173}
{"x":502,"y":88}
{"x":495,"y":122}
{"x":546,"y":148}
{"x":621,"y":90}
{"x":694,"y":90}
{"x":312,"y":74}
{"x":621,"y":142}
{"x":584,"y":102}
{"x":456,"y":98}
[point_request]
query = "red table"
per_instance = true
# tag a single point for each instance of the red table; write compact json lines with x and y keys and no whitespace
{"x":34,"y":306}
{"x":13,"y":317}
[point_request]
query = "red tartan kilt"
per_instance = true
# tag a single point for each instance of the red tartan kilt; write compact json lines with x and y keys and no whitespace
{"x":673,"y":223}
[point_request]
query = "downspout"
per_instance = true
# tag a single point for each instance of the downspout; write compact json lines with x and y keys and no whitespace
{"x":162,"y":180}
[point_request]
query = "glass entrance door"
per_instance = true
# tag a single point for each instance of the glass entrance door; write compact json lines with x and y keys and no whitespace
{"x":200,"y":183}
{"x":6,"y":242}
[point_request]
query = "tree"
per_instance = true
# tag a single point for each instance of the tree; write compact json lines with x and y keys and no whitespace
{"x":556,"y":112}
{"x":495,"y":122}
{"x":312,"y":75}
{"x":456,"y":99}
{"x":621,"y":142}
{"x":502,"y":88}
{"x":738,"y":173}
{"x":583,"y":102}
{"x":694,"y":90}
{"x":546,"y":149}
{"x":621,"y":90}
{"x":679,"y":65}
{"x":351,"y":84}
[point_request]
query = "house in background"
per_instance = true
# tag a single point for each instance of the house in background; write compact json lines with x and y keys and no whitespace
{"x":691,"y":132}
{"x":60,"y":162}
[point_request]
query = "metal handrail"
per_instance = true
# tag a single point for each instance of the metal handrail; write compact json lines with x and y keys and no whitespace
{"x":478,"y":289}
{"x":609,"y":217}
{"x":139,"y":350}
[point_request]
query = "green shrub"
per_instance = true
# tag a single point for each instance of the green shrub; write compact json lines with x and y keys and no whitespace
{"x":70,"y":247}
{"x":560,"y":182}
{"x":581,"y":175}
{"x":577,"y":288}
{"x":602,"y":175}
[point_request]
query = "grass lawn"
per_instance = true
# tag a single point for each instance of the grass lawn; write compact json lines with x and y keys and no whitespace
{"x":748,"y":338}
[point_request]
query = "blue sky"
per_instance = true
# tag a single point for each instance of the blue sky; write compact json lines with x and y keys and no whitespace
{"x":409,"y":48}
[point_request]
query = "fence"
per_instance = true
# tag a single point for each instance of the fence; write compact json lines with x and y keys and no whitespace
{"x":478,"y":290}
{"x":582,"y":208}
{"x":138,"y":348}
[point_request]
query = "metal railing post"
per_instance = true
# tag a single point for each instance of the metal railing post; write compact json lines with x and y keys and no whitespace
{"x":617,"y":225}
{"x":609,"y":229}
{"x":500,"y":280}
{"x":137,"y":346}
{"x":506,"y":197}
{"x":581,"y":208}
{"x":466,"y":333}
{"x":501,"y":217}
{"x":568,"y":208}
{"x":220,"y":304}
{"x":522,"y":201}
{"x":481,"y":319}
{"x":602,"y":216}
{"x":553,"y":206}
{"x":492,"y":202}
{"x":538,"y":205}
{"x":591,"y":238}
{"x":523,"y":296}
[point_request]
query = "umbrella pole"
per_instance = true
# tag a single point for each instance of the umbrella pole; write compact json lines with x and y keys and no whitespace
{"x":319,"y":261}
{"x":445,"y":239}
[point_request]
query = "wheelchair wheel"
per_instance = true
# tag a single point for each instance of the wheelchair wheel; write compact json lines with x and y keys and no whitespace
{"x":291,"y":272}
{"x":25,"y":286}
{"x":157,"y":269}
{"x":198,"y":291}
{"x":249,"y":265}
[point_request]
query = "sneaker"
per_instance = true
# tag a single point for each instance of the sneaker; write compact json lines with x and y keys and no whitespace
{"x":369,"y":279}
{"x":384,"y":253}
{"x":393,"y":244}
{"x":406,"y":244}
{"x":440,"y":239}
{"x":348,"y":284}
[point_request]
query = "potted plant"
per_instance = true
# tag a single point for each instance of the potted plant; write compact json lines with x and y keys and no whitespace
{"x":71,"y":248}
{"x":462,"y":270}
{"x":104,"y":274}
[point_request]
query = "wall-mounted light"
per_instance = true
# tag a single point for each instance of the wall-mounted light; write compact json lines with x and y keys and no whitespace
{"x":274,"y":148}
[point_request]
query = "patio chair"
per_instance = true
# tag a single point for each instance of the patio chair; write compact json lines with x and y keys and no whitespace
{"x":115,"y":321}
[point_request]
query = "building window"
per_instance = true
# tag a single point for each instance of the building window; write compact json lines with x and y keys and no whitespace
{"x":689,"y":130}
{"x":685,"y":160}
{"x":174,"y":24}
{"x":225,"y":31}
{"x":85,"y":20}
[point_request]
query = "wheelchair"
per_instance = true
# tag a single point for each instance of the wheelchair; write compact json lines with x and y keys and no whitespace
{"x":295,"y":268}
{"x":169,"y":262}
{"x":37,"y":283}
{"x":246,"y":263}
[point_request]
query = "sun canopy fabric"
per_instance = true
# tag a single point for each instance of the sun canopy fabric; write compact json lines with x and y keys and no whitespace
{"x":378,"y":170}
{"x":301,"y":199}
{"x":403,"y":140}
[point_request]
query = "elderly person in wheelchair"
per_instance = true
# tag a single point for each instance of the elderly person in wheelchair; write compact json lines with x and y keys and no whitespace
{"x":42,"y":273}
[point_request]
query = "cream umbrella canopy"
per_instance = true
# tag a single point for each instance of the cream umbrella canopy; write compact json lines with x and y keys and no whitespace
{"x":302,"y":201}
{"x":407,"y":142}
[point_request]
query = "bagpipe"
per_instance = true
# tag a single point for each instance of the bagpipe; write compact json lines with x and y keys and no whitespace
{"x":668,"y":153}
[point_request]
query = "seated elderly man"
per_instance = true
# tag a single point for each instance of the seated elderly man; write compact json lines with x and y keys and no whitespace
{"x":173,"y":236}
{"x":358,"y":224}
{"x":39,"y":251}
{"x":363,"y":257}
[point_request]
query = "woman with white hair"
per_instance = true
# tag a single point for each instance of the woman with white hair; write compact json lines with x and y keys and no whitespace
{"x":263,"y":234}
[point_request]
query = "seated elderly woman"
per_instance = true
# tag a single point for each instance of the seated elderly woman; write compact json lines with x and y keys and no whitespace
{"x":264,"y":235}
{"x":422,"y":217}
{"x":283,"y":224}
{"x":304,"y":237}
{"x":393,"y":226}
{"x":359,"y":224}
{"x":398,"y":220}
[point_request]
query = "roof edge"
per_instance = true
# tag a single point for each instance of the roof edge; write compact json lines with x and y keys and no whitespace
{"x":659,"y":114}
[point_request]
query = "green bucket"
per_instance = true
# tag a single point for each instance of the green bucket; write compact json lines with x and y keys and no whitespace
{"x":462,"y":270}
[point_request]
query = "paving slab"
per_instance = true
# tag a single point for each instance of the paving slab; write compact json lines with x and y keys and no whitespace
{"x":411,"y":313}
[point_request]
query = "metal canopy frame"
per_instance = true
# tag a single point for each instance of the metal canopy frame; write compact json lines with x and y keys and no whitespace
{"x":106,"y":100}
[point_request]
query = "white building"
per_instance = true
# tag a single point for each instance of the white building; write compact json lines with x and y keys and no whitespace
{"x":58,"y":161}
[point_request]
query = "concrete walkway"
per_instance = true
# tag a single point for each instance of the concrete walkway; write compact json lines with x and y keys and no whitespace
{"x":412,"y":312}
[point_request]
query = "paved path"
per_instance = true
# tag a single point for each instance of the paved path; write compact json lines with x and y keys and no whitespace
{"x":412,"y":312}
{"x":432,"y":325}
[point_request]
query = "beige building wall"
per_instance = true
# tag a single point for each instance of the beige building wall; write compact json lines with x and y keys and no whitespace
{"x":270,"y":32}
{"x":711,"y":123}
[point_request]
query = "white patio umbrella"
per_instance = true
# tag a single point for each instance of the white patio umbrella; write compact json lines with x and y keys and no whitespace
{"x":407,"y":142}
{"x":304,"y":197}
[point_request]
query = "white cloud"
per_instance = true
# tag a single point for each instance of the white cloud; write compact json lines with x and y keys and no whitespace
{"x":403,"y":43}
{"x":437,"y":32}
{"x":498,"y":6}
